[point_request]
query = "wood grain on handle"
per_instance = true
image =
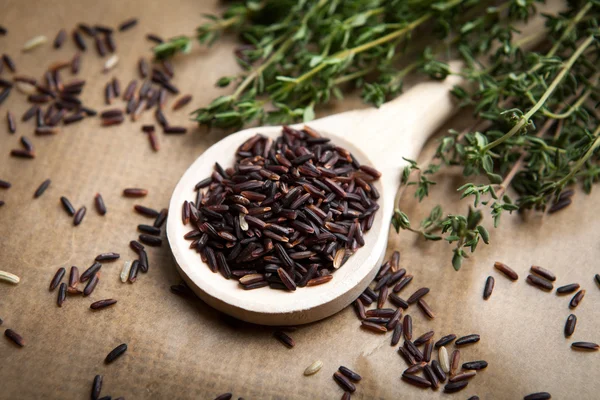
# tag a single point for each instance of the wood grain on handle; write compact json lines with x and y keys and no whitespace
{"x":398,"y":128}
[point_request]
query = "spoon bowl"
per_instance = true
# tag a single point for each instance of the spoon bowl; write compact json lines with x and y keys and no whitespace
{"x":377,"y":137}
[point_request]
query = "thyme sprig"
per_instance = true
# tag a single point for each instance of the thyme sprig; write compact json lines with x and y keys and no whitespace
{"x":536,"y":129}
{"x":555,"y":90}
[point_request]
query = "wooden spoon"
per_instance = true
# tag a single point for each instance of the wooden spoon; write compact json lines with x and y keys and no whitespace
{"x":377,"y":137}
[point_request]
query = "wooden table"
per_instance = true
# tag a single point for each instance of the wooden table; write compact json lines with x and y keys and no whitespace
{"x":182,"y":348}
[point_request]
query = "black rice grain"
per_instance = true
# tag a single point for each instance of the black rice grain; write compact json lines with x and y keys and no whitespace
{"x":344,"y":382}
{"x":116,"y":87}
{"x":416,"y":380}
{"x":570,"y":325}
{"x":463,"y":376}
{"x":73,"y":277}
{"x":133,"y":272}
{"x":96,"y":387}
{"x":398,"y":301}
{"x":350,"y":374}
{"x":455,"y":386}
{"x":143,"y":260}
{"x":426,"y":308}
{"x":373,"y":327}
{"x":445,"y":340}
{"x":20,"y":153}
{"x":116,"y":353}
{"x":91,"y":285}
{"x":10,"y":119}
{"x":538,"y":396}
{"x":150,"y":240}
{"x":469,"y":339}
{"x":284,"y":338}
{"x":407,"y":327}
{"x":100,"y":206}
{"x":423,"y":338}
{"x":148,"y":212}
{"x":161,"y":218}
{"x":78,"y":217}
{"x":42,"y":188}
{"x":544,"y":273}
{"x":76,"y":63}
{"x":413,"y":350}
{"x":79,"y":42}
{"x":431,"y":377}
{"x":475,"y":365}
{"x":62,"y":294}
{"x":134,"y":192}
{"x":15,"y":337}
{"x":111,"y":256}
{"x":400,"y":285}
{"x":10,"y":64}
{"x":4,"y":95}
{"x":30,"y":113}
{"x":489,"y":287}
{"x":577,"y":299}
{"x":128,"y":24}
{"x":567,"y":289}
{"x":110,"y":43}
{"x":100,"y":45}
{"x":182,"y":102}
{"x":394,"y":319}
{"x":506,"y":270}
{"x":100,"y":304}
{"x":407,"y":356}
{"x":149,"y":229}
{"x":585,"y":346}
{"x":88,"y":273}
{"x":60,"y":38}
{"x":437,"y":369}
{"x":60,"y":273}
{"x":539,"y":282}
{"x":154,"y":38}
{"x":144,"y":70}
{"x":427,"y":350}
{"x":177,"y":130}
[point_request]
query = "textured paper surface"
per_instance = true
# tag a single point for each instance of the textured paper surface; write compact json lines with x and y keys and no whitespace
{"x":181,"y":349}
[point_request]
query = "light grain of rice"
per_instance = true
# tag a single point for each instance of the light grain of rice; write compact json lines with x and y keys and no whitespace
{"x":25,"y":88}
{"x":313,"y":368}
{"x":111,"y":63}
{"x":34,"y":42}
{"x":8,"y":277}
{"x":125,"y":271}
{"x":443,"y":358}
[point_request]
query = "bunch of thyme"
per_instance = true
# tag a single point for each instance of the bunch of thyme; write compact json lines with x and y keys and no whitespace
{"x":536,"y":129}
{"x":298,"y":54}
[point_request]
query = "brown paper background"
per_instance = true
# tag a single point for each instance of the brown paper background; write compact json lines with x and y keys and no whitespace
{"x":181,"y":349}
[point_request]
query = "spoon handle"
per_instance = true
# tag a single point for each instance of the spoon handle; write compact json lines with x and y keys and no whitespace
{"x":398,"y":128}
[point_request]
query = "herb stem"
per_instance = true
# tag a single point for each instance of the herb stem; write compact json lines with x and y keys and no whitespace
{"x":544,"y":97}
{"x":224,"y":24}
{"x":569,"y":29}
{"x":354,"y":75}
{"x":519,"y":163}
{"x":259,"y":70}
{"x":358,"y":49}
{"x":576,"y":105}
{"x":582,"y":160}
